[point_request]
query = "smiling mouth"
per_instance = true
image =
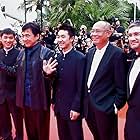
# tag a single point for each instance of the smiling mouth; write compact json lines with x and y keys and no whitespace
{"x":133,"y":43}
{"x":8,"y":44}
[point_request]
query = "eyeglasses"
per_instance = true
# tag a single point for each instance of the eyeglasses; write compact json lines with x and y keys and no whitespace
{"x":98,"y":31}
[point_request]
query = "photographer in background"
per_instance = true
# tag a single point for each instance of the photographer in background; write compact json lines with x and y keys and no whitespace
{"x":48,"y":37}
{"x":118,"y":33}
{"x":116,"y":24}
{"x":83,"y":35}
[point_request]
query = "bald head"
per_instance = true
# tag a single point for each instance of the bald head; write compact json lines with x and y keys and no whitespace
{"x":103,"y":24}
{"x":100,"y":33}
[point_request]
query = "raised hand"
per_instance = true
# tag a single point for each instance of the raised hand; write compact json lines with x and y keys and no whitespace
{"x":49,"y":66}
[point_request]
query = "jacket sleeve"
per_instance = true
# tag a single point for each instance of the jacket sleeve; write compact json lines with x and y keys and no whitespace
{"x":120,"y":76}
{"x":46,"y":54}
{"x":77,"y":102}
{"x":11,"y":70}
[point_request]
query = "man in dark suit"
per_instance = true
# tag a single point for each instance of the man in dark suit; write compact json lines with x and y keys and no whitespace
{"x":132,"y":126}
{"x":67,"y":90}
{"x":8,"y":55}
{"x":33,"y":89}
{"x":105,"y":87}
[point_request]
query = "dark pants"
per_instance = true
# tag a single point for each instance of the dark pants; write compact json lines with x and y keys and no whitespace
{"x":69,"y":130}
{"x":132,"y":124}
{"x":102,"y":125}
{"x":37,"y":124}
{"x":9,"y":106}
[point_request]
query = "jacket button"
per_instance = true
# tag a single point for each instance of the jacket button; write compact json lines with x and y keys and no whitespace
{"x":88,"y":90}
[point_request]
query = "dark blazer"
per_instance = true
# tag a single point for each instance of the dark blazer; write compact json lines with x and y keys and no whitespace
{"x":108,"y":86}
{"x":135,"y":88}
{"x":68,"y":92}
{"x":133,"y":113}
{"x":7,"y":82}
{"x":40,"y":87}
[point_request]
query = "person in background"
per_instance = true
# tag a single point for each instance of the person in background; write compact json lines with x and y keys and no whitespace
{"x":8,"y":55}
{"x":105,"y":84}
{"x":132,"y":126}
{"x":67,"y":89}
{"x":89,"y":44}
{"x":48,"y":37}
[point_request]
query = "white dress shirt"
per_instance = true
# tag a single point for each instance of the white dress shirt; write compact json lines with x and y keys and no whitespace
{"x":95,"y":63}
{"x":134,"y":73}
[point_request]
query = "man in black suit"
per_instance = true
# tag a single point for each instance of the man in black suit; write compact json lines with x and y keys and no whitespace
{"x":105,"y":87}
{"x":8,"y":55}
{"x":132,"y":126}
{"x":67,"y":90}
{"x":33,"y":89}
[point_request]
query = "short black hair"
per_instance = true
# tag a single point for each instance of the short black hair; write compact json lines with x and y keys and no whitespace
{"x":35,"y":28}
{"x":134,"y":24}
{"x":69,"y":28}
{"x":7,"y":31}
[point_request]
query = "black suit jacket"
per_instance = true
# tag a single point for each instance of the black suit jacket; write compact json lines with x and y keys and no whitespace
{"x":108,"y":86}
{"x":7,"y":82}
{"x":68,"y":92}
{"x":132,"y":127}
{"x":133,"y":97}
{"x":40,"y":86}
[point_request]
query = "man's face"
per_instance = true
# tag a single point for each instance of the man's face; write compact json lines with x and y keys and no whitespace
{"x":7,"y":40}
{"x":99,"y":34}
{"x":64,"y":40}
{"x":134,"y":38}
{"x":29,"y":39}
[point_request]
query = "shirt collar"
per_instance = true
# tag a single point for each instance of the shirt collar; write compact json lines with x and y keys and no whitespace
{"x":7,"y":50}
{"x":66,"y":52}
{"x":103,"y":49}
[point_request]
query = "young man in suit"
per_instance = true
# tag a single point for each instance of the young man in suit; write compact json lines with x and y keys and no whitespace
{"x":8,"y":55}
{"x":67,"y":89}
{"x":132,"y":126}
{"x":105,"y":87}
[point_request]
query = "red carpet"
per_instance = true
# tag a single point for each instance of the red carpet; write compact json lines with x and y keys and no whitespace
{"x":87,"y":134}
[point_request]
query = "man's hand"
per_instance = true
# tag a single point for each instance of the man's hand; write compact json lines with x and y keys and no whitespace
{"x":50,"y":66}
{"x":74,"y":115}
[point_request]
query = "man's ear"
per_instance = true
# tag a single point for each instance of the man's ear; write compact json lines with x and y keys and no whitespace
{"x":72,"y":38}
{"x":109,"y":33}
{"x":38,"y":36}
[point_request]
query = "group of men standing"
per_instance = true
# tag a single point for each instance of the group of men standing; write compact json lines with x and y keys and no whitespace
{"x":93,"y":86}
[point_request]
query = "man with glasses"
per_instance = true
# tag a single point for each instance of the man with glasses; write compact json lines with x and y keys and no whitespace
{"x":105,"y":87}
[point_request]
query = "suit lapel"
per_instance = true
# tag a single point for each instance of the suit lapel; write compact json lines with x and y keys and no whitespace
{"x":128,"y":88}
{"x":102,"y":65}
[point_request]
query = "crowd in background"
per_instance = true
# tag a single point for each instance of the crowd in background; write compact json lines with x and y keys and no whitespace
{"x":83,"y":41}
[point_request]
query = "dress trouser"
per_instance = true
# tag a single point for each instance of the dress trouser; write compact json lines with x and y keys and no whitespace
{"x":102,"y":125}
{"x":37,"y":124}
{"x":69,"y":130}
{"x":9,"y":106}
